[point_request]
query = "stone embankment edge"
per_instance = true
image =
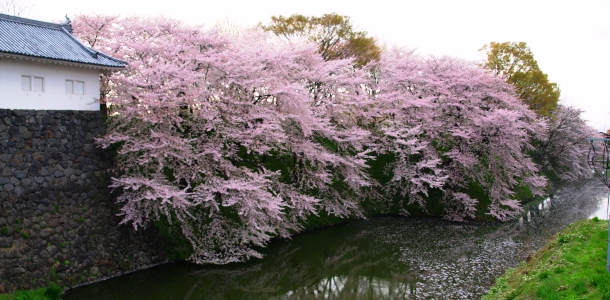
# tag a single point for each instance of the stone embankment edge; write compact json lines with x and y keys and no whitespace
{"x":58,"y":219}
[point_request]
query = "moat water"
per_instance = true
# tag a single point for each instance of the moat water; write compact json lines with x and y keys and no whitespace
{"x":382,"y":258}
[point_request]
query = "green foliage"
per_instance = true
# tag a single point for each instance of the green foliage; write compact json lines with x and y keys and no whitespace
{"x":476,"y":191}
{"x":334,"y":34}
{"x":52,"y":273}
{"x":179,"y":248}
{"x":544,"y":274}
{"x":116,"y":147}
{"x":552,"y":177}
{"x":176,"y":244}
{"x":571,"y":266}
{"x":434,"y":206}
{"x":516,"y":62}
{"x":523,"y":192}
{"x":52,"y":292}
{"x":321,"y":220}
{"x":4,"y":230}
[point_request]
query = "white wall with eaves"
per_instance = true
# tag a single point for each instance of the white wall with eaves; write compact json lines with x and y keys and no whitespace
{"x":53,"y":96}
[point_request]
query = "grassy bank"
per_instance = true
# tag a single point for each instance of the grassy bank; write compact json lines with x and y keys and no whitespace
{"x":571,"y":266}
{"x":52,"y":292}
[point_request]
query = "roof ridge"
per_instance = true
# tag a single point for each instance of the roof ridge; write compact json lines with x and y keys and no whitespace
{"x":94,"y":53}
{"x":112,"y":58}
{"x":91,"y":51}
{"x":35,"y":22}
{"x":24,"y":37}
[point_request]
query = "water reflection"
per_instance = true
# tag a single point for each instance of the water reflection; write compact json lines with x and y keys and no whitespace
{"x":602,"y":209}
{"x":357,"y":287}
{"x":386,"y":258}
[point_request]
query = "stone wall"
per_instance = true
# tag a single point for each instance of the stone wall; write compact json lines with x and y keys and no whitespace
{"x":57,"y":217}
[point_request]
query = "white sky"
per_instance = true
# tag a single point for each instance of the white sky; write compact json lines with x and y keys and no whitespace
{"x":569,"y":39}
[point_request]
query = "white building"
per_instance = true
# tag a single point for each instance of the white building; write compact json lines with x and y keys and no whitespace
{"x":43,"y":66}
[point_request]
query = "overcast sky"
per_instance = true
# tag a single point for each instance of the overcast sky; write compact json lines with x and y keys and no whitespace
{"x":569,"y":39}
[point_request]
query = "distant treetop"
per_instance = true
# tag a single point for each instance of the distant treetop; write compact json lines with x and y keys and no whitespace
{"x":516,"y":62}
{"x":334,"y":34}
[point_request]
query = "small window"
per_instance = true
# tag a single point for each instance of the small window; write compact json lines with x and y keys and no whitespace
{"x":69,"y":86}
{"x":38,"y":84}
{"x":26,"y":83}
{"x":75,"y":87}
{"x":79,"y":88}
{"x":32,"y":83}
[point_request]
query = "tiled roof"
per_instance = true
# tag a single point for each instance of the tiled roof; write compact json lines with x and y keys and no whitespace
{"x":33,"y":38}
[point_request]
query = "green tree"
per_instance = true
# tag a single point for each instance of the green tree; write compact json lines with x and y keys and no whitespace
{"x":334,"y":34}
{"x":516,"y":62}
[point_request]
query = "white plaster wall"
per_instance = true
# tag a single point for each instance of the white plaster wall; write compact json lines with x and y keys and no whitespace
{"x":54,"y":96}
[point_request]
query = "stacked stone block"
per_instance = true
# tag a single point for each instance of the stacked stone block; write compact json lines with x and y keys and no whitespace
{"x":58,"y":219}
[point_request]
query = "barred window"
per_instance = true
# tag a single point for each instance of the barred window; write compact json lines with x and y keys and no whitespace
{"x":32,"y":83}
{"x":75,"y":87}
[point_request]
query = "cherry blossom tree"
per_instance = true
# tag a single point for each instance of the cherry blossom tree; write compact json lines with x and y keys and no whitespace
{"x":395,"y":119}
{"x":474,"y":128}
{"x":198,"y":117}
{"x":562,"y":151}
{"x":237,"y":136}
{"x":94,"y":27}
{"x":95,"y":31}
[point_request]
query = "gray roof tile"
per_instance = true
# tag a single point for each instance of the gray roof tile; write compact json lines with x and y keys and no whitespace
{"x":27,"y":37}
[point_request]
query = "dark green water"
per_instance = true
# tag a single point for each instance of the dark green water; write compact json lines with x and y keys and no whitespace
{"x":384,"y":258}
